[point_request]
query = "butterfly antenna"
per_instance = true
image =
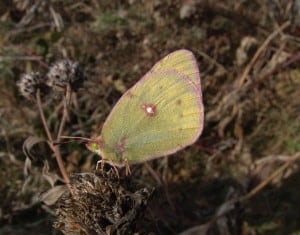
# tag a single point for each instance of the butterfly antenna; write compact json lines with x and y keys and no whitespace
{"x":69,"y":139}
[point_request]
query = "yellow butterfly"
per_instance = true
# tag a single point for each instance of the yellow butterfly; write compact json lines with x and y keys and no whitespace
{"x":161,"y":114}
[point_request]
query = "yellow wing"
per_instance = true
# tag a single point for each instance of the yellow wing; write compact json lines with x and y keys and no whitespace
{"x":182,"y":61}
{"x":159,"y":115}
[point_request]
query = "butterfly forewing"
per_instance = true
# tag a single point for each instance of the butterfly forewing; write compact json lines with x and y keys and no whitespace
{"x":182,"y":61}
{"x":159,"y":115}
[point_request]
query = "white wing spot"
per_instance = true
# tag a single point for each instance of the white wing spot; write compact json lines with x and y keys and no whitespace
{"x":149,"y":109}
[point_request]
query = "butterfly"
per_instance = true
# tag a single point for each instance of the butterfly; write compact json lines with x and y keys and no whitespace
{"x":161,"y":114}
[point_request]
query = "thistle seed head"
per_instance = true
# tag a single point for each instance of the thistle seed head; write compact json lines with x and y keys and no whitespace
{"x":30,"y":83}
{"x":64,"y":73}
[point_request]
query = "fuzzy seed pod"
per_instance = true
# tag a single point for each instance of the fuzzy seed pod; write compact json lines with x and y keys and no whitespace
{"x":65,"y":73}
{"x":101,"y":204}
{"x":29,"y":84}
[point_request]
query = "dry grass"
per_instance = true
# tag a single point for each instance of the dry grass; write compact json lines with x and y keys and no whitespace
{"x":248,"y":53}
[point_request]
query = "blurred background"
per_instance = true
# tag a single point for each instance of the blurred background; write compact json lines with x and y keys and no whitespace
{"x":248,"y":53}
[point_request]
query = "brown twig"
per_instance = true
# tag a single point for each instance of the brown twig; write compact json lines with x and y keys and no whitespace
{"x":66,"y":102}
{"x":259,"y":187}
{"x":63,"y":119}
{"x":39,"y":104}
{"x":260,"y":50}
{"x":54,"y":148}
{"x":153,"y":173}
{"x":264,"y":183}
{"x":292,"y":60}
{"x":161,"y":182}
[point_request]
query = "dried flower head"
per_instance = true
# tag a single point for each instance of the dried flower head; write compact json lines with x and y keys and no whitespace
{"x":101,"y":204}
{"x":65,"y":73}
{"x":29,"y":84}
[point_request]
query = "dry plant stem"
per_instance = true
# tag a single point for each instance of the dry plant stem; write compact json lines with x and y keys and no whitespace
{"x":14,"y":58}
{"x":50,"y":142}
{"x":295,"y":58}
{"x":66,"y":102}
{"x":63,"y":119}
{"x":260,"y":186}
{"x":270,"y":178}
{"x":153,"y":173}
{"x":161,"y":182}
{"x":260,"y":50}
{"x":39,"y":104}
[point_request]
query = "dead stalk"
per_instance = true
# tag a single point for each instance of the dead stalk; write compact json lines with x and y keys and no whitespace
{"x":259,"y":187}
{"x":264,"y":183}
{"x":63,"y":119}
{"x":66,"y":102}
{"x":260,"y":50}
{"x":55,"y":149}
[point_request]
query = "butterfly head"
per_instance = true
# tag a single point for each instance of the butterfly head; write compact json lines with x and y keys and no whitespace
{"x":95,"y":145}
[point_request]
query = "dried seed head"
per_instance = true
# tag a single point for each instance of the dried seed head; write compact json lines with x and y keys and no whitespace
{"x":65,"y":73}
{"x":29,"y":83}
{"x":101,"y":204}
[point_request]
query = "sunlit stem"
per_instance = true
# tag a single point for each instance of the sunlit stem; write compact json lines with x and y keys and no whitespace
{"x":55,"y":149}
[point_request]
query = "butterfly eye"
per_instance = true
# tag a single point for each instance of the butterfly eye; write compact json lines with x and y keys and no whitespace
{"x":92,"y":146}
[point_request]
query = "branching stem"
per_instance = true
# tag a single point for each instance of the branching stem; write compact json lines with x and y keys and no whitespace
{"x":54,"y":148}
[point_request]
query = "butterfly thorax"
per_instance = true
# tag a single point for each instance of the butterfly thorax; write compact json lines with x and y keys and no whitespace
{"x":98,"y":146}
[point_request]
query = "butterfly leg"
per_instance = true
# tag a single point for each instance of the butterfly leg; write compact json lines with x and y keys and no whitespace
{"x":110,"y":162}
{"x":128,"y":171}
{"x":101,"y":163}
{"x":114,"y":167}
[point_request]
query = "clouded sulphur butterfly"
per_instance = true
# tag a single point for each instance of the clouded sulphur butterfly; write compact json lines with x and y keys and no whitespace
{"x":161,"y":114}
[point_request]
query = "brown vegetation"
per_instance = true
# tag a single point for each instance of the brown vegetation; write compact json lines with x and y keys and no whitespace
{"x":241,"y":176}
